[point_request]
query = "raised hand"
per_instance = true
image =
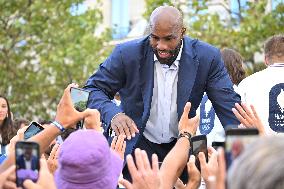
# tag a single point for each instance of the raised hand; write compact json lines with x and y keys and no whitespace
{"x":194,"y":174}
{"x":52,"y":161}
{"x":186,"y":124}
{"x":248,"y":117}
{"x":66,"y":114}
{"x":144,"y":176}
{"x":209,"y":169}
{"x":118,"y":145}
{"x":93,"y":120}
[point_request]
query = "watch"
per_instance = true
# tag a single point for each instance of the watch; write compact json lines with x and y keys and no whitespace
{"x":185,"y":134}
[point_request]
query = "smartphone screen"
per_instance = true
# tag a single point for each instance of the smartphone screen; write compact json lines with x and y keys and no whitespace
{"x":236,"y":142}
{"x":33,"y":129}
{"x":80,"y":99}
{"x":199,"y":144}
{"x":27,"y":162}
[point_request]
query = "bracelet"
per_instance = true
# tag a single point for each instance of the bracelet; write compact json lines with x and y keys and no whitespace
{"x":59,"y":126}
{"x":186,"y":135}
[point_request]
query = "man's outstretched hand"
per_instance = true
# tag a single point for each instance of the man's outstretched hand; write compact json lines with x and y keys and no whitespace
{"x":124,"y":125}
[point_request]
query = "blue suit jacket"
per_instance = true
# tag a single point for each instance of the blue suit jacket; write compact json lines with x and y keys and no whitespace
{"x":130,"y":70}
{"x":22,"y":165}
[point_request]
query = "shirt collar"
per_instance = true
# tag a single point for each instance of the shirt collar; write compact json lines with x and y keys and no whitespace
{"x":277,"y":64}
{"x":178,"y":56}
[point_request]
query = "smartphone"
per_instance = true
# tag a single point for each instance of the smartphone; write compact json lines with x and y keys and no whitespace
{"x":27,"y":162}
{"x":198,"y":144}
{"x":33,"y":129}
{"x":80,"y":99}
{"x":237,"y":140}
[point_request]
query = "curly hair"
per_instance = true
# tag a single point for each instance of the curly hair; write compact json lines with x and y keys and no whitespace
{"x":7,"y":129}
{"x":234,"y":64}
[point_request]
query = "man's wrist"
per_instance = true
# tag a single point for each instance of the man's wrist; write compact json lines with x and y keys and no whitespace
{"x":116,"y":116}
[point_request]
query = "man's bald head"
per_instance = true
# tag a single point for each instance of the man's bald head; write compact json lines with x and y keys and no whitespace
{"x":166,"y":15}
{"x":166,"y":33}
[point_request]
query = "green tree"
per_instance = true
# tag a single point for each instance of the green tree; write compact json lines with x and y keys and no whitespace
{"x":80,"y":106}
{"x":45,"y":45}
{"x":244,"y":30}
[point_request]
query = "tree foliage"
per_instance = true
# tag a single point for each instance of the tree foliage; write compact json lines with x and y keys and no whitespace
{"x":244,"y":29}
{"x":45,"y":45}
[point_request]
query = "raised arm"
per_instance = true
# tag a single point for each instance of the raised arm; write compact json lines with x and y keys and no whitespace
{"x":66,"y":115}
{"x":103,"y":85}
{"x":176,"y":159}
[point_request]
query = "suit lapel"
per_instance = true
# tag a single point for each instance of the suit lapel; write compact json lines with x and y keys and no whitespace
{"x":147,"y":81}
{"x":187,"y":73}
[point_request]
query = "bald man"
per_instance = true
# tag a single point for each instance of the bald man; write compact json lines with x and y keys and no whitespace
{"x":155,"y":77}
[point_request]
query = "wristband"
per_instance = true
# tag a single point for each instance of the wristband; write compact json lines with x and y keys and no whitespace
{"x":59,"y":126}
{"x":186,"y":135}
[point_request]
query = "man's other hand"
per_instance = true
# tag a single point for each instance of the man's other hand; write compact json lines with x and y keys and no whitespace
{"x":124,"y":125}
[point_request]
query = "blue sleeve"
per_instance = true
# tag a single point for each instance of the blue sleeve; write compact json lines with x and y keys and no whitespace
{"x":220,"y":91}
{"x":103,"y":85}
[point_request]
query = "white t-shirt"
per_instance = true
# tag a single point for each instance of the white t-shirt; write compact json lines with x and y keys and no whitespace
{"x":265,"y":90}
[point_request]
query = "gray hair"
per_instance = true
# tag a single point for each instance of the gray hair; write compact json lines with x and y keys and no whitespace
{"x":260,"y":166}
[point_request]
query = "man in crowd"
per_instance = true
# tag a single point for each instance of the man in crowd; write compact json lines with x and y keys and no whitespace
{"x":155,"y":77}
{"x":265,"y":89}
{"x":27,"y":160}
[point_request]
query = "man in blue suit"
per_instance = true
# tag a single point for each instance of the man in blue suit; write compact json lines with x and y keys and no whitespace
{"x":155,"y":77}
{"x":27,"y":160}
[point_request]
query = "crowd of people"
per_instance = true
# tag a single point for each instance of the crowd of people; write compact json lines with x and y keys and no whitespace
{"x":171,"y":87}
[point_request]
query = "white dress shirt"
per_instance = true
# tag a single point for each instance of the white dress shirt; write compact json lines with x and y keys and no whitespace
{"x":162,"y":125}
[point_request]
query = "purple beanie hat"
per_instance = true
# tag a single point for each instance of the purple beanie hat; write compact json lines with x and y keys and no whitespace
{"x":86,"y":162}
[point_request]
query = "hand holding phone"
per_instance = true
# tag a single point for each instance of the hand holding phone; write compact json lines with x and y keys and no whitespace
{"x":27,"y":162}
{"x":198,"y":144}
{"x":80,"y":99}
{"x":33,"y":129}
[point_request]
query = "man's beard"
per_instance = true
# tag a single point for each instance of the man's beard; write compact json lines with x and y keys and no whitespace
{"x":169,"y":61}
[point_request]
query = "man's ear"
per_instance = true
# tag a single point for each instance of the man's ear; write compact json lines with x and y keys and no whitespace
{"x":266,"y":61}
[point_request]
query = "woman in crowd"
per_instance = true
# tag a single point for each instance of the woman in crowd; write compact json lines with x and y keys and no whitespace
{"x":7,"y":130}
